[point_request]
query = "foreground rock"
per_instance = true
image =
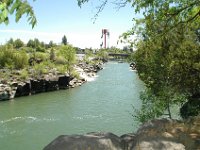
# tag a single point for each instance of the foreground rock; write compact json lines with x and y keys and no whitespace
{"x":91,"y":141}
{"x":160,"y":134}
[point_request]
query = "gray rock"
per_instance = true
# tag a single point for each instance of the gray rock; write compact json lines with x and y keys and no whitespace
{"x":91,"y":141}
{"x":158,"y":134}
{"x":128,"y":140}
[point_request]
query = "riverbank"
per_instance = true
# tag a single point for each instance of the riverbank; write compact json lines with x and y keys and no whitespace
{"x":53,"y":80}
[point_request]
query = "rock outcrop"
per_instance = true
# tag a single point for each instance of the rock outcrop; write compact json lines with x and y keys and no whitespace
{"x":50,"y":81}
{"x":164,"y":134}
{"x":90,"y":141}
{"x":33,"y":86}
{"x":160,"y":134}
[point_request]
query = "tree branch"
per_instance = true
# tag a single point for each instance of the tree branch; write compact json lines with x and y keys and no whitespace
{"x":99,"y":10}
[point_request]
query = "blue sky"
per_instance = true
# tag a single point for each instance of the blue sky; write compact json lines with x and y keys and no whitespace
{"x":64,"y":17}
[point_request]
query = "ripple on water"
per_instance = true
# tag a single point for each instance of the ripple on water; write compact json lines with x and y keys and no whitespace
{"x":27,"y":119}
{"x":88,"y":117}
{"x":7,"y":125}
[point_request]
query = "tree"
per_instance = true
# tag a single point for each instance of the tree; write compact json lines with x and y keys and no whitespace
{"x":51,"y":44}
{"x":68,"y":52}
{"x":52,"y":54}
{"x":64,"y":40}
{"x":11,"y":41}
{"x":102,"y":55}
{"x":20,"y":8}
{"x":170,"y":61}
{"x":31,"y":43}
{"x":18,"y":43}
{"x":167,"y":30}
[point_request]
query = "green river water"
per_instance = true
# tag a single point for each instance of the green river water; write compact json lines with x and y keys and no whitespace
{"x":105,"y":104}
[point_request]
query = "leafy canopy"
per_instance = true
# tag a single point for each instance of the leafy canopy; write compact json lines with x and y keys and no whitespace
{"x":19,"y":8}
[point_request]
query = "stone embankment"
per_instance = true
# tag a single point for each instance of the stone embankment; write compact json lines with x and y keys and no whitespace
{"x":51,"y":81}
{"x":160,"y":134}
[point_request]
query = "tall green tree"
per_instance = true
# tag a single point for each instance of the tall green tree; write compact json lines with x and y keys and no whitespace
{"x":18,"y":43}
{"x":64,"y":40}
{"x":31,"y":43}
{"x":11,"y":41}
{"x":167,"y":53}
{"x":68,"y":53}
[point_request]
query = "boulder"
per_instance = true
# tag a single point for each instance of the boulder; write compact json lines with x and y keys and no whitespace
{"x":63,"y":82}
{"x":37,"y":86}
{"x":23,"y":89}
{"x":90,"y":141}
{"x":128,"y":140}
{"x":166,"y":134}
{"x":6,"y":92}
{"x":158,"y":134}
{"x":4,"y":95}
{"x":51,"y":85}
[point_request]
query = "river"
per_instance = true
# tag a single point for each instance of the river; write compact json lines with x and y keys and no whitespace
{"x":105,"y":104}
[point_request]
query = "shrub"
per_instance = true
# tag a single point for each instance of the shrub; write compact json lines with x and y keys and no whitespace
{"x":75,"y":74}
{"x":39,"y":69}
{"x":60,"y":60}
{"x":21,"y":60}
{"x":24,"y":74}
{"x":40,"y":49}
{"x":12,"y":59}
{"x":61,"y":69}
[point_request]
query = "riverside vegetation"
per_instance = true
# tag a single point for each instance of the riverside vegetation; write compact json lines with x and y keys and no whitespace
{"x":37,"y":67}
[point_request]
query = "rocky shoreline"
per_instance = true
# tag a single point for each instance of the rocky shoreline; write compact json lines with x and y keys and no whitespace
{"x":51,"y":81}
{"x":158,"y":134}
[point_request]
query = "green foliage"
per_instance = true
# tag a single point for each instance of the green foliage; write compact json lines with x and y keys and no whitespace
{"x":51,"y":44}
{"x":151,"y":108}
{"x":41,"y":56}
{"x":167,"y":55}
{"x":102,"y":54}
{"x":39,"y":70}
{"x":64,"y":40}
{"x":52,"y":54}
{"x":36,"y":44}
{"x":80,"y":2}
{"x":11,"y":41}
{"x":60,"y":60}
{"x":68,"y":53}
{"x":21,"y":60}
{"x":18,"y":43}
{"x":40,"y":49}
{"x":31,"y":44}
{"x":17,"y":7}
{"x":61,"y":69}
{"x":12,"y":59}
{"x":89,"y":53}
{"x":24,"y":74}
{"x":75,"y":74}
{"x":115,"y":50}
{"x":157,"y":105}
